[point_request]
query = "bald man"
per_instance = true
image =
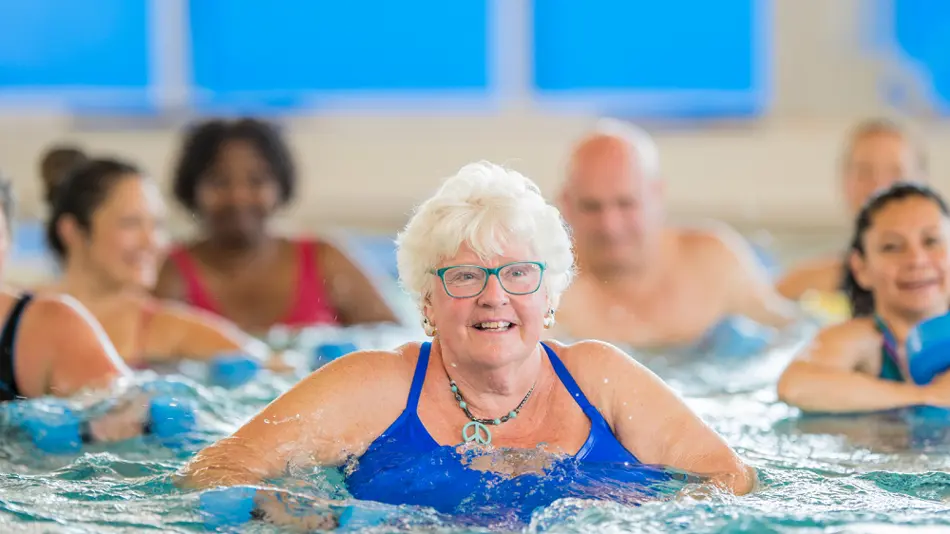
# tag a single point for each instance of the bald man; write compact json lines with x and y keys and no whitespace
{"x":640,"y":282}
{"x":877,"y":154}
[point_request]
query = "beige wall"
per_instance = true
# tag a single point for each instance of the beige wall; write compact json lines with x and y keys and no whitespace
{"x":368,"y":169}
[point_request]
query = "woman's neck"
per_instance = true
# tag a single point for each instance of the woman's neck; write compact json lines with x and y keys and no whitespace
{"x":85,"y":286}
{"x":492,"y":391}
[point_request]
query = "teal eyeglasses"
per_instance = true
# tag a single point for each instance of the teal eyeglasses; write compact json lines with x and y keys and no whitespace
{"x":467,"y":281}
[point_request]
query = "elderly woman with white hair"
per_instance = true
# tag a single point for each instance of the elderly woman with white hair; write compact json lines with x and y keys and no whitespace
{"x":487,"y":259}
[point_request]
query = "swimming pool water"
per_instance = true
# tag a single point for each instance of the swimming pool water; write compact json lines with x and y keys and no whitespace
{"x":817,"y":474}
{"x":876,"y":473}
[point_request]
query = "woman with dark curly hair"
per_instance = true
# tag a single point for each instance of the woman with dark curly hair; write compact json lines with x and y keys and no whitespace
{"x":233,"y":176}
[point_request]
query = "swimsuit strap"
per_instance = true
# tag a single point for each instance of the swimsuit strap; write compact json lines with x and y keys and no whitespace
{"x":571,"y":385}
{"x":889,"y":346}
{"x":889,"y":342}
{"x":419,"y":377}
{"x":195,"y":292}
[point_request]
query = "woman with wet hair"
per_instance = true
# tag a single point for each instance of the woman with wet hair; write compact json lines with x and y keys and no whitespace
{"x":107,"y":229}
{"x":50,"y":345}
{"x":234,"y":176}
{"x":899,"y":276}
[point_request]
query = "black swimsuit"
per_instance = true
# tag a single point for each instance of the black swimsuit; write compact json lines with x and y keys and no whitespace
{"x":8,"y":387}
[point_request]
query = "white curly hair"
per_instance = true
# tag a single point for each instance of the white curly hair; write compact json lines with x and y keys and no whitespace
{"x":486,"y":206}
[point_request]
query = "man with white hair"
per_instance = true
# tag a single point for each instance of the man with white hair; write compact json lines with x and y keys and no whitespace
{"x":640,"y":281}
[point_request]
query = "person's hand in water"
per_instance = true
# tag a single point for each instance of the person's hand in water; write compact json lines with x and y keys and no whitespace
{"x":299,"y":513}
{"x":717,"y":486}
{"x":124,"y":421}
{"x":937,"y":393}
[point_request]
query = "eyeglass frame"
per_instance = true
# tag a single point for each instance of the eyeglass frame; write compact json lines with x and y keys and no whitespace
{"x":489,"y":271}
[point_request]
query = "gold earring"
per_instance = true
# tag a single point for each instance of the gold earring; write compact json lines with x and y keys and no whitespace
{"x":549,"y":319}
{"x":429,"y":328}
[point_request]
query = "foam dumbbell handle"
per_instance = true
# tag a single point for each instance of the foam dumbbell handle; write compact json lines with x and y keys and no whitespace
{"x":928,"y":349}
{"x":233,"y":370}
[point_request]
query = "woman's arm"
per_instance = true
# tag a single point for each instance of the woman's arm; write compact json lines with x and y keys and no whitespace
{"x":68,"y":349}
{"x":334,"y":413}
{"x":820,"y":275}
{"x":827,"y":376}
{"x":178,"y":331}
{"x":351,"y":291}
{"x":750,"y":292}
{"x":652,"y":422}
{"x":69,"y":353}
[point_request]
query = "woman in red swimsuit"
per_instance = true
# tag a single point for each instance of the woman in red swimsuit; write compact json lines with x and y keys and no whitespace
{"x":106,"y":226}
{"x":233,"y":176}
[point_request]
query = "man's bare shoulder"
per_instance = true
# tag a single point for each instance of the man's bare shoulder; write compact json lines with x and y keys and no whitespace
{"x":711,"y":238}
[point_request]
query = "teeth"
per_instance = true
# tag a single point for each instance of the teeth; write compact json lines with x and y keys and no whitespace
{"x":494,"y":325}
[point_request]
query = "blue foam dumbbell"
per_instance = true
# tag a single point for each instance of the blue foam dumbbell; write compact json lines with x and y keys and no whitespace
{"x":233,"y":369}
{"x":928,"y":349}
{"x":737,"y":337}
{"x":54,"y":428}
{"x":227,"y":506}
{"x":235,"y":505}
{"x":358,"y":517}
{"x":328,"y":352}
{"x":170,"y":418}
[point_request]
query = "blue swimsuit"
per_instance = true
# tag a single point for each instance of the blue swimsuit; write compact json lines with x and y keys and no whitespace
{"x":405,"y":465}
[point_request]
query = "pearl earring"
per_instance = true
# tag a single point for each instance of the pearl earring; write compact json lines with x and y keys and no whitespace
{"x":429,"y":328}
{"x":549,"y":319}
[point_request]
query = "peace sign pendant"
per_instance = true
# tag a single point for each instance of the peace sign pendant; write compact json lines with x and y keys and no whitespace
{"x":476,"y":432}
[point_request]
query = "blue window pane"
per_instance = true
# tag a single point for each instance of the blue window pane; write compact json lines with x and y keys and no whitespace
{"x":921,"y":29}
{"x":690,"y":57}
{"x":81,"y":49}
{"x":286,"y":51}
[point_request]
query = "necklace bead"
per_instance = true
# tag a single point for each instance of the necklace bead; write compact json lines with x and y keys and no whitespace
{"x":472,"y":431}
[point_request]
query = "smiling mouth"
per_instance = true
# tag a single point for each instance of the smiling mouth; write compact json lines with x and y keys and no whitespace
{"x":920,"y":284}
{"x":493,"y":326}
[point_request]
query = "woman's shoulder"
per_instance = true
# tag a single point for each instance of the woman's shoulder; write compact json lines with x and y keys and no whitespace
{"x":397,"y":361}
{"x":385,"y":375}
{"x":857,"y":328}
{"x":586,"y":350}
{"x":848,"y":343}
{"x":50,"y":311}
{"x":590,"y":362}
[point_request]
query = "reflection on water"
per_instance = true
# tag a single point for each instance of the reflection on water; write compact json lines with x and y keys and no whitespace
{"x":817,"y":473}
